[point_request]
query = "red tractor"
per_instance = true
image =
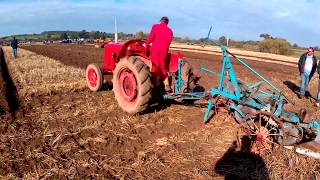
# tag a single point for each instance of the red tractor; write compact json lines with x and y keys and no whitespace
{"x":134,"y":86}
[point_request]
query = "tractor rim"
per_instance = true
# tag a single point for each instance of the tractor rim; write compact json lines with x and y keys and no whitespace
{"x":128,"y":85}
{"x":92,"y":77}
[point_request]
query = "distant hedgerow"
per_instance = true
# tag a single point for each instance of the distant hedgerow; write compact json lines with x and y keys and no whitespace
{"x":275,"y":46}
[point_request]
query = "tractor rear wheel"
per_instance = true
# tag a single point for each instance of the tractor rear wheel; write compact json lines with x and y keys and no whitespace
{"x":94,"y":77}
{"x":132,"y":84}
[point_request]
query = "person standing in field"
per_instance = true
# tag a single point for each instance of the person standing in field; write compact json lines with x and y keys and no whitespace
{"x":160,"y":37}
{"x":14,"y":45}
{"x":318,"y":94}
{"x":307,"y":66}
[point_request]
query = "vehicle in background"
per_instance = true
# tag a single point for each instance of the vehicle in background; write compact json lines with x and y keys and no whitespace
{"x":66,"y":41}
{"x":99,"y":43}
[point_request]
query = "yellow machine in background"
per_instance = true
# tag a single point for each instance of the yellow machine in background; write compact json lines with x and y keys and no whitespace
{"x":99,"y":43}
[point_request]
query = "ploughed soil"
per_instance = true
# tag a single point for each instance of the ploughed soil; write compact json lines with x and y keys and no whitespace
{"x":75,"y":55}
{"x":286,"y":78}
{"x":81,"y":56}
{"x":86,"y":135}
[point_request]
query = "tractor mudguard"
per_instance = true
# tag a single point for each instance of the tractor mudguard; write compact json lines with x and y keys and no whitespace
{"x":172,"y":61}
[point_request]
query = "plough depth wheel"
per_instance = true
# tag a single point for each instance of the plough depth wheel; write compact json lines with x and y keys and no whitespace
{"x":187,"y":77}
{"x":263,"y":130}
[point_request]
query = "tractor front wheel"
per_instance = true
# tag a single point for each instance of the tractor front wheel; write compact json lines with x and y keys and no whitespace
{"x":94,"y":77}
{"x":132,"y":84}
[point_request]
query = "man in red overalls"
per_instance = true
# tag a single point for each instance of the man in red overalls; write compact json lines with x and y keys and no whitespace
{"x":160,"y":37}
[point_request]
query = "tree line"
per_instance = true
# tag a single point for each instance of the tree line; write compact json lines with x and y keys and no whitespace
{"x":58,"y":35}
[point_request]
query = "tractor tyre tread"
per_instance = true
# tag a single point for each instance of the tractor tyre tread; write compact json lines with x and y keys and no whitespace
{"x":144,"y":76}
{"x":147,"y":88}
{"x":137,"y":63}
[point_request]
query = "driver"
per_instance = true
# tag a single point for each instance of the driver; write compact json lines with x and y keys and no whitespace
{"x":160,"y":37}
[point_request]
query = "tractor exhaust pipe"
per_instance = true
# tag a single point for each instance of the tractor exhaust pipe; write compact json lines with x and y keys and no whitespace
{"x":115,"y":30}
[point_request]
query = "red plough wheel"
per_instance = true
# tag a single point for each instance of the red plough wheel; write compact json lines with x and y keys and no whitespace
{"x":263,"y":129}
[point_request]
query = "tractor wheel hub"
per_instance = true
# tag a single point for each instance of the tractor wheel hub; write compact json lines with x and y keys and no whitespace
{"x":128,"y":85}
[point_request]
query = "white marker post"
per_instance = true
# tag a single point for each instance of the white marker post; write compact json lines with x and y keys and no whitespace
{"x":115,"y":30}
{"x":227,"y":41}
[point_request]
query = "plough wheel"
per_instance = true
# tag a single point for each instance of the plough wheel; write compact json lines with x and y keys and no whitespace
{"x":291,"y":135}
{"x":188,"y":77}
{"x":132,"y":84}
{"x":263,"y":130}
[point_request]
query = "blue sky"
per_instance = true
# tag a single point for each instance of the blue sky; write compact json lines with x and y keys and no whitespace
{"x":296,"y":20}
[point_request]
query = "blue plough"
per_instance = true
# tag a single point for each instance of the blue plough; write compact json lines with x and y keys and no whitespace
{"x":258,"y":107}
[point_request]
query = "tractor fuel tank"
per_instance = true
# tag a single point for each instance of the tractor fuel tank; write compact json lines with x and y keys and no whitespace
{"x":172,"y":61}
